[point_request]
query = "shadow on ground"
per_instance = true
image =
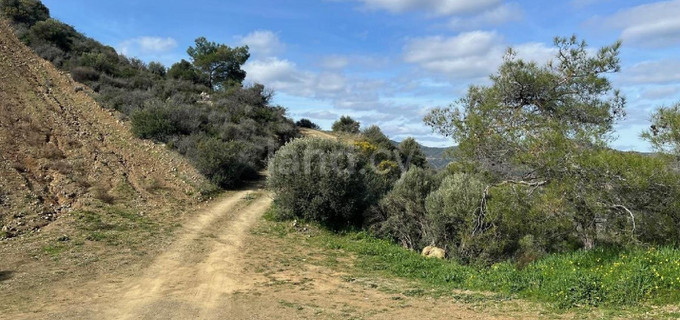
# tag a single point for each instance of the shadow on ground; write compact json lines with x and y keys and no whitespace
{"x":5,"y":275}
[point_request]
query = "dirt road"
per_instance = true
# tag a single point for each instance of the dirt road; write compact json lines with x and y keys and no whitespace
{"x":202,"y":266}
{"x":223,"y":266}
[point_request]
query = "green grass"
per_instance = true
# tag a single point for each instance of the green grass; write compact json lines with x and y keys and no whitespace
{"x":607,"y":278}
{"x":115,"y":226}
{"x":53,"y":250}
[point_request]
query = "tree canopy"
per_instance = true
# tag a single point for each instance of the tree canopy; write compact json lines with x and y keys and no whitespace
{"x":546,"y":126}
{"x":24,"y":11}
{"x":374,"y":135}
{"x":412,"y":154}
{"x":534,"y":116}
{"x":220,"y":63}
{"x":346,"y":124}
{"x":306,"y":123}
{"x":664,"y":132}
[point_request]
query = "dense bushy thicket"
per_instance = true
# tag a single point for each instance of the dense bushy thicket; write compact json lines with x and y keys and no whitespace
{"x":347,"y":125}
{"x":401,"y":215}
{"x":322,"y":180}
{"x":544,"y":178}
{"x":199,"y":107}
{"x":544,"y":181}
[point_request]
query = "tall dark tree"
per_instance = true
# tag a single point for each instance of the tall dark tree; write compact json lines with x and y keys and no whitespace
{"x":306,"y":123}
{"x":220,"y":63}
{"x":412,"y":154}
{"x":374,"y":135}
{"x":184,"y":70}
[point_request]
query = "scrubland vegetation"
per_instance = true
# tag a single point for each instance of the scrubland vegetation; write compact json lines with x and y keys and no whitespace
{"x":537,"y":204}
{"x":200,"y":108}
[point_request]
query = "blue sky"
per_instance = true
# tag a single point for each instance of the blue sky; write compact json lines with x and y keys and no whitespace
{"x":387,"y":62}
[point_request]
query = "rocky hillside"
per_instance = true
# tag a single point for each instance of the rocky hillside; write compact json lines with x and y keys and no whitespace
{"x":60,"y":151}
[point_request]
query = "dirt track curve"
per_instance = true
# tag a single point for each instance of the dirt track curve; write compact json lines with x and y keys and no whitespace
{"x":189,"y":280}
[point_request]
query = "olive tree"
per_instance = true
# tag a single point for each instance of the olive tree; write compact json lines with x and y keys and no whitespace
{"x":321,"y":180}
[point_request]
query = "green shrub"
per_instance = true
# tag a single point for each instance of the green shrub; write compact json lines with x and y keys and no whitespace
{"x":306,"y":123}
{"x":224,"y":163}
{"x":451,"y":211}
{"x":184,"y":70}
{"x":24,"y":11}
{"x":375,"y":136}
{"x":346,"y":124}
{"x":412,"y":154}
{"x":152,"y":123}
{"x":320,"y":180}
{"x":157,"y":68}
{"x":401,"y":214}
{"x":53,"y":31}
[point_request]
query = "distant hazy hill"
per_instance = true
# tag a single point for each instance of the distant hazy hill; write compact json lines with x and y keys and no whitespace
{"x":436,"y":157}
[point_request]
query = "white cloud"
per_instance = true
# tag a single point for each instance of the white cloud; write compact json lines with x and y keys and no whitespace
{"x":438,"y":7}
{"x":660,"y":92}
{"x":650,"y":25}
{"x":471,"y":54}
{"x":264,"y":43}
{"x":652,"y":72}
{"x":334,"y":62}
{"x":147,"y":45}
{"x":586,"y":3}
{"x":535,"y":51}
{"x":464,"y":14}
{"x":279,"y":74}
{"x":468,"y":55}
{"x":494,"y":16}
{"x":284,"y":75}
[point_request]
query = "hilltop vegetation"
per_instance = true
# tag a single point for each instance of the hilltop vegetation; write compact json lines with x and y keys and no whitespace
{"x":198,"y":107}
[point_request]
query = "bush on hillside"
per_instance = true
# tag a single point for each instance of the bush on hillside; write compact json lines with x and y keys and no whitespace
{"x":174,"y":106}
{"x":451,"y":210}
{"x":226,"y":164}
{"x":157,"y":68}
{"x":24,"y":11}
{"x":374,"y":135}
{"x":306,"y":123}
{"x":320,"y":180}
{"x":346,"y":124}
{"x":52,"y":31}
{"x":84,"y":74}
{"x":401,"y":214}
{"x":412,"y":154}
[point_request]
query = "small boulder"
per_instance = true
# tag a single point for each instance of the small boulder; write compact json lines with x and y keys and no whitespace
{"x":434,"y":252}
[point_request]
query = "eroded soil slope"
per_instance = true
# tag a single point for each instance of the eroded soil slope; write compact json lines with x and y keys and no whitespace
{"x":60,"y":151}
